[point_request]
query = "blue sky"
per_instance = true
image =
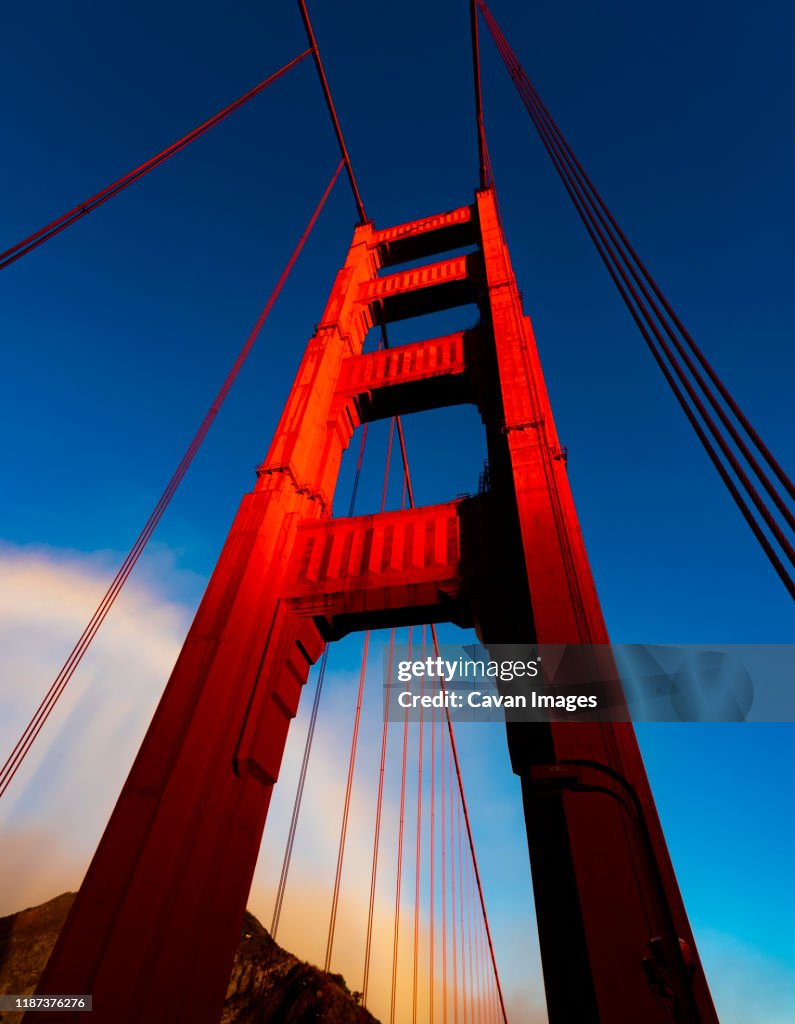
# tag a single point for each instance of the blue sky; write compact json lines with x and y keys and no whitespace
{"x":116,"y":335}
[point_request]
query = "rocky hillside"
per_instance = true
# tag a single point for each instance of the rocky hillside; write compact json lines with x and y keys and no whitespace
{"x":268,"y":984}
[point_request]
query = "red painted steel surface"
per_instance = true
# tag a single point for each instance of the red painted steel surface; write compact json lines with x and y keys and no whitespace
{"x":154,"y":928}
{"x":424,"y":225}
{"x":422,"y":238}
{"x":588,"y":851}
{"x":426,"y":289}
{"x":393,"y":567}
{"x":404,"y":364}
{"x":424,"y":375}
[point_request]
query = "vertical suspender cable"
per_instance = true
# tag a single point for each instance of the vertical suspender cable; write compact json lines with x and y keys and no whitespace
{"x":399,"y":871}
{"x":483,"y":981}
{"x":471,"y":841}
{"x":354,"y":745}
{"x":453,"y":922}
{"x":299,"y":794}
{"x":462,"y":905}
{"x":453,"y":751}
{"x":470,"y":986}
{"x":474,"y":968}
{"x":382,"y":765}
{"x":347,"y":804}
{"x":418,"y":850}
{"x":432,"y":870}
{"x":377,"y":831}
{"x":443,"y":876}
{"x":288,"y":851}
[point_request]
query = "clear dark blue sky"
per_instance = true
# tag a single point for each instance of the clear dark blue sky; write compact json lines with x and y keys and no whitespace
{"x":116,"y":335}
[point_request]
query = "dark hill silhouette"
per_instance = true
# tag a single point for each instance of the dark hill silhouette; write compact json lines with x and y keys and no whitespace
{"x":268,"y":985}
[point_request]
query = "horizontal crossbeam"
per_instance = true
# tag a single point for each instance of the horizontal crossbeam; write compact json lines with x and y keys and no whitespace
{"x":428,"y":236}
{"x":427,"y":289}
{"x":393,"y":568}
{"x":428,"y":374}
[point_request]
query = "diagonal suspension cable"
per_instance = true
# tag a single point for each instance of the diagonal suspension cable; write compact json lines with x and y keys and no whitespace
{"x":50,"y":699}
{"x":82,"y":209}
{"x":638,"y":289}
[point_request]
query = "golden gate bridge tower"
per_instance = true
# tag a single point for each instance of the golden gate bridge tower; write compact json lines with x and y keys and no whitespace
{"x":154,"y":928}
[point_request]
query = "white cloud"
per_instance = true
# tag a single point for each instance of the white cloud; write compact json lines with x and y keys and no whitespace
{"x":55,"y":809}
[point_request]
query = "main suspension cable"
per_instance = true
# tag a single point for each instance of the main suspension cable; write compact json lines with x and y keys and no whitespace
{"x":483,"y":162}
{"x":50,"y":699}
{"x":310,"y":33}
{"x":724,"y":392}
{"x":658,"y":344}
{"x":618,"y":256}
{"x":82,"y":209}
{"x":571,"y":171}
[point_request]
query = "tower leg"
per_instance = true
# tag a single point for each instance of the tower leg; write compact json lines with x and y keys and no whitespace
{"x":154,"y":929}
{"x":601,"y":870}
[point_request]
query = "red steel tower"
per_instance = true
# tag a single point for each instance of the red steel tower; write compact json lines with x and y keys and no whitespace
{"x":153,"y":931}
